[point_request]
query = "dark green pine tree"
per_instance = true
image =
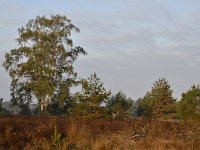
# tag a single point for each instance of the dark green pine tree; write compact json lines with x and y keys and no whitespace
{"x":189,"y":106}
{"x":118,"y":105}
{"x":89,"y":101}
{"x":159,"y":102}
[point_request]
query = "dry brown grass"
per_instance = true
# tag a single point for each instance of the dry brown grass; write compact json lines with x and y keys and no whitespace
{"x":34,"y":132}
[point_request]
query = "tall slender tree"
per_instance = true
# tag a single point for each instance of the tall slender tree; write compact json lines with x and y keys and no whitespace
{"x":43,"y":62}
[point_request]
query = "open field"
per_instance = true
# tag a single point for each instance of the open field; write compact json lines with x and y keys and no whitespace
{"x":48,"y":132}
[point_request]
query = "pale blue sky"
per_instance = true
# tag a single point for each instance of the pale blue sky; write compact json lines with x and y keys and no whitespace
{"x":130,"y":43}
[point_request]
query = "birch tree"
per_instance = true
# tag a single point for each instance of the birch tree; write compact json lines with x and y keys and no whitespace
{"x":43,"y":62}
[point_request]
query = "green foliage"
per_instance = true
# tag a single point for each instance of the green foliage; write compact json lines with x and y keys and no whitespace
{"x":189,"y":105}
{"x":137,"y":111}
{"x":146,"y":106}
{"x":20,"y":94}
{"x":93,"y":88}
{"x":25,"y":110}
{"x":56,"y":138}
{"x":4,"y":112}
{"x":54,"y":107}
{"x":158,"y":102}
{"x":118,"y":105}
{"x":42,"y":65}
{"x":89,"y":101}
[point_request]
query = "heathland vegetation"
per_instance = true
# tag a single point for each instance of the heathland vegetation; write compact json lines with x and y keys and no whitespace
{"x":42,"y":69}
{"x":51,"y":132}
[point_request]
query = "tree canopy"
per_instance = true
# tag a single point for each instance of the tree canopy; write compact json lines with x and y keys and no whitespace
{"x":42,"y":65}
{"x":159,"y":102}
{"x":189,"y":105}
{"x":89,"y":101}
{"x":119,"y":105}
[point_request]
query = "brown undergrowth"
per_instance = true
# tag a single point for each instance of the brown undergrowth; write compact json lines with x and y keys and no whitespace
{"x":50,"y":132}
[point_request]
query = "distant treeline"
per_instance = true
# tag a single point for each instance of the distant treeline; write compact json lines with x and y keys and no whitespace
{"x":42,"y":68}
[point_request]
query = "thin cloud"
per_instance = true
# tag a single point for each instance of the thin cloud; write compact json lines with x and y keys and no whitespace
{"x":129,"y":43}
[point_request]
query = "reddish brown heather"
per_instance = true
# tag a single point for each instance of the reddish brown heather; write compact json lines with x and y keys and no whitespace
{"x":34,"y":132}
